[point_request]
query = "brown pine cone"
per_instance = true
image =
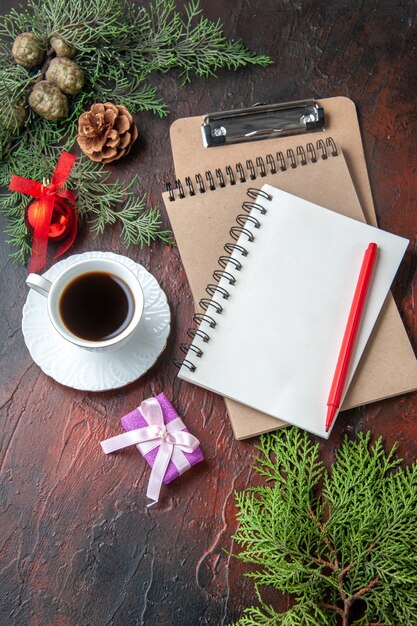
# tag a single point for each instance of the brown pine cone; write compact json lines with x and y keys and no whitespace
{"x":106,"y":132}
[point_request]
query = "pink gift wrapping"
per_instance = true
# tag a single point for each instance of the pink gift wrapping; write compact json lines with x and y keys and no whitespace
{"x":135,"y":419}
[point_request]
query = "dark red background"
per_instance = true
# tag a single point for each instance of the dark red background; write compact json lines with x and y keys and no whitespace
{"x":78,"y":546}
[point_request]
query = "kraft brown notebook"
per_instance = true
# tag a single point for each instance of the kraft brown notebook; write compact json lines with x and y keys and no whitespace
{"x":327,"y":168}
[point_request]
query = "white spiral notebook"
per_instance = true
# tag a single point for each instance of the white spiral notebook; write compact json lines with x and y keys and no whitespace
{"x":270,"y":335}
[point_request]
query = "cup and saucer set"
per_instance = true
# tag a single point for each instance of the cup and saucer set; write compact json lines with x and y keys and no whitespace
{"x":95,"y":321}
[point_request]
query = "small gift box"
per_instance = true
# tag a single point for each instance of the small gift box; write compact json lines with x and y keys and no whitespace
{"x":162,"y":438}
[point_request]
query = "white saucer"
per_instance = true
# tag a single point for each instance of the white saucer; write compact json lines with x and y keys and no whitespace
{"x":97,"y":371}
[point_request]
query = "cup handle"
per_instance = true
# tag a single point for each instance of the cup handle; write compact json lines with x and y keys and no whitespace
{"x":39,"y":284}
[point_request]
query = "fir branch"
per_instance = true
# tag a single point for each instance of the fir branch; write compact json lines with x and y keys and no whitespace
{"x":14,"y":81}
{"x":139,"y":98}
{"x":142,"y":226}
{"x":200,"y":34}
{"x":99,"y":203}
{"x":304,"y":614}
{"x":139,"y":225}
{"x":82,"y":24}
{"x":18,"y":238}
{"x":332,"y":538}
{"x":118,"y":45}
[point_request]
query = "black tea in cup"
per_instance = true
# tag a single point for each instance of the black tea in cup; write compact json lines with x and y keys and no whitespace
{"x":96,"y":306}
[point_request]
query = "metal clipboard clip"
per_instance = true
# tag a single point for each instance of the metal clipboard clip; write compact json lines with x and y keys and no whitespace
{"x":262,"y":122}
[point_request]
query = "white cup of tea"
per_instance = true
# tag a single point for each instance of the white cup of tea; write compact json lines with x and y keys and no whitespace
{"x":95,"y":304}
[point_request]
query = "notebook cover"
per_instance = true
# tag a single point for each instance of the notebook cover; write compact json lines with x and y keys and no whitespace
{"x":388,"y":366}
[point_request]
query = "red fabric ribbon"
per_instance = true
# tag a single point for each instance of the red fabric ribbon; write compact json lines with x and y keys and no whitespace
{"x":47,"y":196}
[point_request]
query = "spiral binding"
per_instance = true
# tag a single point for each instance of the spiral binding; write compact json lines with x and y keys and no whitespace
{"x":211,"y":307}
{"x":302,"y":155}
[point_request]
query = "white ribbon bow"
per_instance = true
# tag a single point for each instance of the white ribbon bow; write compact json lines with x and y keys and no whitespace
{"x":170,"y":438}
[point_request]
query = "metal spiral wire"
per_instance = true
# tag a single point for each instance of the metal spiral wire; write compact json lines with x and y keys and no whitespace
{"x":293,"y":158}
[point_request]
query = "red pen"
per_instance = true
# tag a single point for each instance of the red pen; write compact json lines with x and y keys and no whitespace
{"x":352,"y":326}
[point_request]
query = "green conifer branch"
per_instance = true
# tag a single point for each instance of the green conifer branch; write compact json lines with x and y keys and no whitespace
{"x":118,"y":45}
{"x":331,"y":539}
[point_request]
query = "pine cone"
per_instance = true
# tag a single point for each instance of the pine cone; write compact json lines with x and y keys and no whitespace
{"x":66,"y":74}
{"x":28,"y":50}
{"x":61,"y":47}
{"x":106,"y":132}
{"x":48,"y":101}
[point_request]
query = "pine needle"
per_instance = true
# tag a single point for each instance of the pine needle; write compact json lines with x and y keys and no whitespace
{"x":334,"y":540}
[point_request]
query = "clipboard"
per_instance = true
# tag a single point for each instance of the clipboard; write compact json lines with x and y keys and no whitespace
{"x":210,"y":180}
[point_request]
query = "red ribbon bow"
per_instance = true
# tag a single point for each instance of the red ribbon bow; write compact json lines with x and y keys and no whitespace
{"x":47,"y":195}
